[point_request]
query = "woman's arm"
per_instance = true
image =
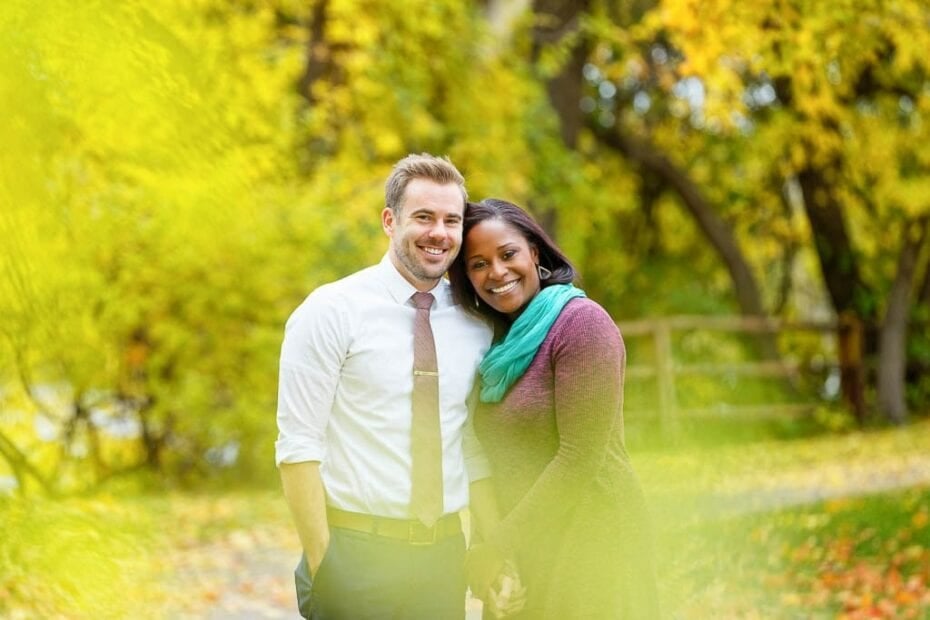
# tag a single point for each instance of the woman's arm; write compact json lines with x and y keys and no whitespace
{"x":588,"y":358}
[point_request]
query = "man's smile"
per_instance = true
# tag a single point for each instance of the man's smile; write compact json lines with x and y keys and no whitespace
{"x":432,"y":250}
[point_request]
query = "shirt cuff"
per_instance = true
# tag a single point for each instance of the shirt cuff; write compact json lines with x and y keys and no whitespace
{"x":477,"y":467}
{"x":298,"y":450}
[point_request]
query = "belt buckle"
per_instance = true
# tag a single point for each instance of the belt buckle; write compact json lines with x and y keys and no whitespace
{"x":419,"y":534}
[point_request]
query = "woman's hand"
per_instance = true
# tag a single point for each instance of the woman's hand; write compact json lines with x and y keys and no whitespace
{"x":483,"y":565}
{"x":494,"y":579}
{"x":508,"y":595}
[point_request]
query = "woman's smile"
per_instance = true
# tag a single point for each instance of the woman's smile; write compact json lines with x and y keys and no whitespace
{"x":505,"y":288}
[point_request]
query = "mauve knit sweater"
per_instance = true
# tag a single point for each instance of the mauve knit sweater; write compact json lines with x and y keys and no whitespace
{"x":573,"y":513}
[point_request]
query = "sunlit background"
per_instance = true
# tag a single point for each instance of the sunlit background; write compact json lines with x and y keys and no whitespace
{"x":745,"y":186}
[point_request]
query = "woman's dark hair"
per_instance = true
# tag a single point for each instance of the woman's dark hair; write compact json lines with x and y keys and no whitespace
{"x":550,"y":256}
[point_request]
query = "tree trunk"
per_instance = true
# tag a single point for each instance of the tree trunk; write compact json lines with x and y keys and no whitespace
{"x":923,"y":295}
{"x":852,"y":371}
{"x":16,"y":457}
{"x":892,"y":360}
{"x":22,"y":467}
{"x":554,"y":20}
{"x":838,"y":263}
{"x":651,"y":189}
{"x":789,"y":194}
{"x":850,"y":296}
{"x":319,"y":55}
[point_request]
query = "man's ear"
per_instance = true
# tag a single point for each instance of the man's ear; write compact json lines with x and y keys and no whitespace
{"x":387,"y":221}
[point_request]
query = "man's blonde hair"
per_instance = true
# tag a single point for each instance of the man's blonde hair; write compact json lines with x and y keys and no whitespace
{"x":422,"y":166}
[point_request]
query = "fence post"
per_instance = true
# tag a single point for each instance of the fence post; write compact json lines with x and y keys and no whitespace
{"x":665,"y":378}
{"x":852,"y":375}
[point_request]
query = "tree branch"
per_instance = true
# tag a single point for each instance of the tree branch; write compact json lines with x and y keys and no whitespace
{"x":715,"y":229}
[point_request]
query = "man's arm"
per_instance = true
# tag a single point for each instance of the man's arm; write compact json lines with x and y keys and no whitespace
{"x":314,"y":348}
{"x":483,"y":506}
{"x":492,"y":577}
{"x":303,"y":490}
{"x":484,"y":563}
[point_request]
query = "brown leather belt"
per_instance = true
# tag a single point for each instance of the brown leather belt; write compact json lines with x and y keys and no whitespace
{"x":412,"y":531}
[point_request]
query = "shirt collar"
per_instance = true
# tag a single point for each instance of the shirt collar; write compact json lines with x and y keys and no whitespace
{"x":401,"y":290}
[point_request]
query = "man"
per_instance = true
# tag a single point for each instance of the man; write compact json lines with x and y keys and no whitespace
{"x":374,"y":448}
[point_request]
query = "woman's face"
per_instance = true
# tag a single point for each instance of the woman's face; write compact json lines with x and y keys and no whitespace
{"x":501,"y":265}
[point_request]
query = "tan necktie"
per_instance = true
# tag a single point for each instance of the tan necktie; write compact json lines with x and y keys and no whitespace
{"x":426,"y":495}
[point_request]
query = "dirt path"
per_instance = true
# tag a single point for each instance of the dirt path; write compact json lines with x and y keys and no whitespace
{"x":824,"y":483}
{"x":246,"y":575}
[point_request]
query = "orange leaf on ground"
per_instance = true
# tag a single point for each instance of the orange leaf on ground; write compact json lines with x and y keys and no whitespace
{"x":920,"y":519}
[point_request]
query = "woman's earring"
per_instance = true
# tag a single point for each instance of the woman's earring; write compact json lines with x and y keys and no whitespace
{"x":544,"y":274}
{"x":476,"y":300}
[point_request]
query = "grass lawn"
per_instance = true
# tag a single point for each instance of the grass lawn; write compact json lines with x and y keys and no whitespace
{"x":818,"y":527}
{"x":867,"y":557}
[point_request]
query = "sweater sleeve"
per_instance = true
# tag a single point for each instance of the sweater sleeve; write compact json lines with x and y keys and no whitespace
{"x":588,"y":359}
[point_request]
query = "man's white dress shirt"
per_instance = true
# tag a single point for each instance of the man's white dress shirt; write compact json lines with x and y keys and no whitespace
{"x":346,"y":380}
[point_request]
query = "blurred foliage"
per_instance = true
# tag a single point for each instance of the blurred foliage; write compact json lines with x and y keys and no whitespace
{"x":80,"y":559}
{"x":177,"y":176}
{"x":148,"y":264}
{"x":748,"y":98}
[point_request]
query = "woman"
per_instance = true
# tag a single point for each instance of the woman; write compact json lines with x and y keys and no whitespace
{"x":550,"y":420}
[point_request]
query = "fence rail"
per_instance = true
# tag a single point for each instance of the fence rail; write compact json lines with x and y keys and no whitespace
{"x":665,"y":370}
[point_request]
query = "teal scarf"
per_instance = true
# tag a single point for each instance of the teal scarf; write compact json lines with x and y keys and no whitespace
{"x":508,"y":359}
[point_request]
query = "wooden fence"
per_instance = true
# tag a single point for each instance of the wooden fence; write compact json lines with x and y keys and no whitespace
{"x":665,"y":369}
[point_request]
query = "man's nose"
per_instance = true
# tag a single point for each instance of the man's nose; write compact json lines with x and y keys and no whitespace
{"x":438,"y":230}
